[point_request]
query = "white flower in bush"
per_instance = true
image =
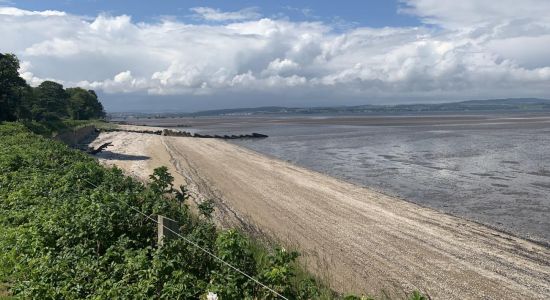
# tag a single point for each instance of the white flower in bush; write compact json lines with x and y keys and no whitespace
{"x":212,"y":296}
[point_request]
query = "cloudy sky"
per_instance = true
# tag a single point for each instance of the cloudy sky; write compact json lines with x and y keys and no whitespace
{"x":194,"y":55}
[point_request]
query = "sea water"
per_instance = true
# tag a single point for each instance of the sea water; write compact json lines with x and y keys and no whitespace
{"x":490,"y":169}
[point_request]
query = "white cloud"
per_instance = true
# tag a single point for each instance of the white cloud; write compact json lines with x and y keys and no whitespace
{"x":122,"y":82}
{"x":474,"y":12}
{"x":123,"y":77}
{"x":53,"y":47}
{"x":26,"y":74}
{"x":531,"y":51}
{"x":212,"y":14}
{"x":12,"y":11}
{"x":279,"y":66}
{"x":504,"y":57}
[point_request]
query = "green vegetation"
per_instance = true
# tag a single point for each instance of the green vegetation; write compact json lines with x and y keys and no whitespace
{"x":51,"y":128}
{"x":47,"y":102}
{"x":72,"y":229}
{"x":48,"y":108}
{"x":67,"y":231}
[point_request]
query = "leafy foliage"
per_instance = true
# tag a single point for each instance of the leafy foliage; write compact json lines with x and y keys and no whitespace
{"x":416,"y":295}
{"x":11,"y":85}
{"x":67,"y":231}
{"x":83,"y":104}
{"x":50,"y":102}
{"x":279,"y":273}
{"x":47,"y":102}
{"x":206,"y":208}
{"x":53,"y":127}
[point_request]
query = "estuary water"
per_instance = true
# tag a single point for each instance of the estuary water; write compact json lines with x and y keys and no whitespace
{"x":493,"y":169}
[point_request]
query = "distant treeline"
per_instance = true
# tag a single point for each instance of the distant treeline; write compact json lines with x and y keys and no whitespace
{"x":47,"y":102}
{"x":490,"y":105}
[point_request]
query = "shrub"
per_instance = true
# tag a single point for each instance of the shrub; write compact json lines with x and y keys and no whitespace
{"x":68,"y":231}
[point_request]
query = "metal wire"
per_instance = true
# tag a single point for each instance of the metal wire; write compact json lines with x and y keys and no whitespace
{"x":197,"y":246}
{"x":201,"y":248}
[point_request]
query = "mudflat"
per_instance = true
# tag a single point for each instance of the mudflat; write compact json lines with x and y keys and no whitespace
{"x":357,"y":239}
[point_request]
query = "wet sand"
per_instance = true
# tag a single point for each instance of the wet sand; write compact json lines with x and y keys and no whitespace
{"x":490,"y":168}
{"x":358,"y":239}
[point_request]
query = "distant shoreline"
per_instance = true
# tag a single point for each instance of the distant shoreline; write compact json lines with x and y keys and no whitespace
{"x":513,"y":105}
{"x":334,"y":119}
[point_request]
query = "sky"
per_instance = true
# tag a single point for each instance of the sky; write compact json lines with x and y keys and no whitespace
{"x":194,"y":55}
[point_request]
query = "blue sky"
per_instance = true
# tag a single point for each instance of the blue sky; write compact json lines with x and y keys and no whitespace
{"x":194,"y":55}
{"x":372,"y":13}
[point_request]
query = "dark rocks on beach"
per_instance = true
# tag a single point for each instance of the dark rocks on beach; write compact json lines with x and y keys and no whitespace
{"x":157,"y":132}
{"x":230,"y":137}
{"x":258,"y":135}
{"x":168,"y":132}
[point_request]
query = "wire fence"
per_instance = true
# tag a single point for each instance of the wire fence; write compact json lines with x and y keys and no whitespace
{"x":194,"y":244}
{"x":200,"y":248}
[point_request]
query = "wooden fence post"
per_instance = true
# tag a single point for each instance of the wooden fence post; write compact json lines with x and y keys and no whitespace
{"x":163,"y":233}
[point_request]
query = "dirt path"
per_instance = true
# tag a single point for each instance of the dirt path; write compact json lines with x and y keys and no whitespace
{"x":360,"y":240}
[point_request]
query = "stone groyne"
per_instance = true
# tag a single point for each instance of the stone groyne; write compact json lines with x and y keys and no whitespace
{"x":168,"y":132}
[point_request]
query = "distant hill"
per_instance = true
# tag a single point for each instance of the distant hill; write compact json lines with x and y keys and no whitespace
{"x":491,"y":105}
{"x":509,"y":101}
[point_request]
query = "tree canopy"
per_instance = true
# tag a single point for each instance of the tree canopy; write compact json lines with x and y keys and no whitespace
{"x":10,"y":87}
{"x":83,"y":104}
{"x":48,"y":101}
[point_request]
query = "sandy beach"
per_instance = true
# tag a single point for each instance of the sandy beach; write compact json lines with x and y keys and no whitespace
{"x":357,"y":239}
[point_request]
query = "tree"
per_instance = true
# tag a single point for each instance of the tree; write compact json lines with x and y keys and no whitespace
{"x":48,"y":101}
{"x":23,"y":110}
{"x":99,"y":111}
{"x":84,"y":104}
{"x":11,"y":85}
{"x":51,"y":101}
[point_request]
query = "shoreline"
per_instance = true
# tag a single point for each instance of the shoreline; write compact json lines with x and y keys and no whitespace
{"x":368,"y":240}
{"x":538,"y":239}
{"x":533,"y":239}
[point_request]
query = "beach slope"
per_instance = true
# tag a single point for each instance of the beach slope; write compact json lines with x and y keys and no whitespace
{"x":357,"y":239}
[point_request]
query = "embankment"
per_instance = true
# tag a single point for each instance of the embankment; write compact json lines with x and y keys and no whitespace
{"x":75,"y":136}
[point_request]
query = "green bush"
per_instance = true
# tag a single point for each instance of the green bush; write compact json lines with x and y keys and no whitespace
{"x":67,"y":231}
{"x":51,"y":128}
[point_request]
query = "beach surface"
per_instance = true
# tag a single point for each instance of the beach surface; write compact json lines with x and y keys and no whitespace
{"x":357,"y":239}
